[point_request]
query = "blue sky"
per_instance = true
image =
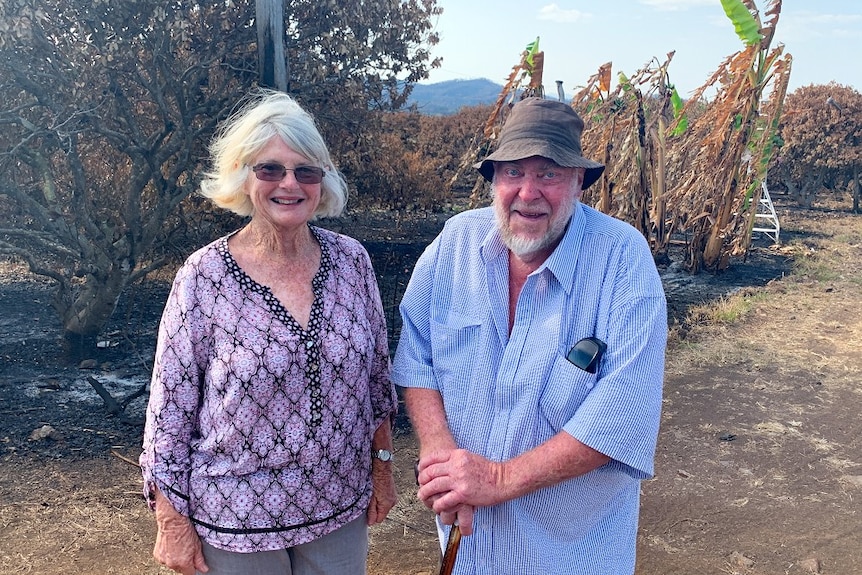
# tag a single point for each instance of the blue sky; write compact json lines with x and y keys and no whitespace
{"x":485,"y":38}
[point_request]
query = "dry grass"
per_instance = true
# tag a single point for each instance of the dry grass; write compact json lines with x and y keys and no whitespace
{"x":84,"y":516}
{"x":760,"y":437}
{"x":727,"y":309}
{"x":808,"y":321}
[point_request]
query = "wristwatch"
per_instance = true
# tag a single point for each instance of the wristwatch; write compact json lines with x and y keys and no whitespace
{"x":382,"y":454}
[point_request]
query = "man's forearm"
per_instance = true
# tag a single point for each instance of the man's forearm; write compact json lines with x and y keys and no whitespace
{"x":428,"y":418}
{"x":559,"y":459}
{"x":449,"y":480}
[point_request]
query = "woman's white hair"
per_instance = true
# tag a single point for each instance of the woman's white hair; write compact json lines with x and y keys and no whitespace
{"x":265,"y":115}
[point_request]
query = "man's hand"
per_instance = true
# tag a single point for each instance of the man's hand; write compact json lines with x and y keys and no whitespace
{"x":436,"y":446}
{"x":454,"y":483}
{"x":449,"y":479}
{"x":463,"y":516}
{"x":178,"y":546}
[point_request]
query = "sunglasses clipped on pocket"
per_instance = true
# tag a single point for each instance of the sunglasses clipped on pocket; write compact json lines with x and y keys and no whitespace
{"x":587,"y":353}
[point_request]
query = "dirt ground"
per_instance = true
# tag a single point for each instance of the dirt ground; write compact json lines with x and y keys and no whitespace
{"x":759,"y":464}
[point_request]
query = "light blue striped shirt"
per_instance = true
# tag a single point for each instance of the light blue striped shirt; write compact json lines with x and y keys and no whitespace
{"x":505,"y":394}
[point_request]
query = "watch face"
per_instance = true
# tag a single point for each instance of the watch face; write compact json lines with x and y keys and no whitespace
{"x":383,"y":455}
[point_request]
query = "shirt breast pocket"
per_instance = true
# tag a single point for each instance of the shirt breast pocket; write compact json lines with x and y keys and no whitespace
{"x":566,"y":389}
{"x":455,"y":344}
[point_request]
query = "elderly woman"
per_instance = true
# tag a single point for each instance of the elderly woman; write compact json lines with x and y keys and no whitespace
{"x":267,"y":444}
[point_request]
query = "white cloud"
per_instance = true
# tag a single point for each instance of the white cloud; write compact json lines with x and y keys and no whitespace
{"x":810,"y":26}
{"x":557,"y":14}
{"x":674,"y":5}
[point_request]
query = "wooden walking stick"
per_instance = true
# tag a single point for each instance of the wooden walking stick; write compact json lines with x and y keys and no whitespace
{"x":451,"y":550}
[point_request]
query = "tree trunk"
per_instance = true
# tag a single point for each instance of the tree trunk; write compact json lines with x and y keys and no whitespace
{"x":658,"y":213}
{"x":712,"y":253}
{"x":84,"y":309}
{"x":804,"y":195}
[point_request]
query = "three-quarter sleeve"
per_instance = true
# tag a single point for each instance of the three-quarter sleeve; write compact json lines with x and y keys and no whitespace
{"x":384,"y":400}
{"x":175,"y":392}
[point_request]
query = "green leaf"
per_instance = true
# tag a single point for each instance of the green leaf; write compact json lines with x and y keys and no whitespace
{"x":532,"y":49}
{"x":677,"y":103}
{"x":623,"y":81}
{"x":681,"y":127}
{"x":744,"y":23}
{"x":749,"y":194}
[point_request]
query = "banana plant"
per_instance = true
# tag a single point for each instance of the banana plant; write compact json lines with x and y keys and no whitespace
{"x":625,"y":128}
{"x":716,"y":189}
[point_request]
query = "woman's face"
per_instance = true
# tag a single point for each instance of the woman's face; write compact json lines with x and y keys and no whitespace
{"x":286,"y":203}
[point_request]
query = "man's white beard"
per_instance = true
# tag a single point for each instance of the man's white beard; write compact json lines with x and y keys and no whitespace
{"x":523,"y":247}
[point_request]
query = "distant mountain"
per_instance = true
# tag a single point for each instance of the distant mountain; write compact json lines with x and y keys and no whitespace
{"x":448,"y":97}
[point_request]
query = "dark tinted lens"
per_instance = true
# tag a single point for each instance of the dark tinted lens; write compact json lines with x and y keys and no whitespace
{"x":587,"y":353}
{"x":269,"y":172}
{"x":308,"y":175}
{"x":583,"y":354}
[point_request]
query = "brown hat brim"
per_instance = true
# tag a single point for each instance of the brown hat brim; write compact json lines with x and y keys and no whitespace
{"x":592,"y":170}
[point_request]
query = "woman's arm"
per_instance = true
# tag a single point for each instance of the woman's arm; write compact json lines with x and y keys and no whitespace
{"x":178,"y":546}
{"x":384,"y":495}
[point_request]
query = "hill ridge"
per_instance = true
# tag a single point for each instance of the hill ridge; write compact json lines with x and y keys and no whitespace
{"x":443,"y":98}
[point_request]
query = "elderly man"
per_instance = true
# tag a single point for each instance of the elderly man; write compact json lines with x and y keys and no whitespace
{"x":531,"y":360}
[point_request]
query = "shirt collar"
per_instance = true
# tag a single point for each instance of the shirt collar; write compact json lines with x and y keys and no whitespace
{"x":493,"y":246}
{"x":564,"y":259}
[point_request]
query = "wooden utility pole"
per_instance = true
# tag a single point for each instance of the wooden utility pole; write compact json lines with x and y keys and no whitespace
{"x":271,"y":62}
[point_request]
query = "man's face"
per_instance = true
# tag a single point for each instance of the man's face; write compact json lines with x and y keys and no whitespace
{"x":533,"y":201}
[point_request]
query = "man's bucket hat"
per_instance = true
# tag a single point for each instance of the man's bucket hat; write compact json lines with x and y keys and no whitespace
{"x":546,"y":128}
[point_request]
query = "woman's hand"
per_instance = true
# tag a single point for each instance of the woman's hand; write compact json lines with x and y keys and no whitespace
{"x":383,"y":495}
{"x":178,"y":546}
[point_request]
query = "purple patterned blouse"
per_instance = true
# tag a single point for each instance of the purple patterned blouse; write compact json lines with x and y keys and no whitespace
{"x":256,"y":429}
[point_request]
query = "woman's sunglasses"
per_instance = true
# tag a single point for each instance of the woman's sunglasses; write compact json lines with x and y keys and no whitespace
{"x":271,"y":172}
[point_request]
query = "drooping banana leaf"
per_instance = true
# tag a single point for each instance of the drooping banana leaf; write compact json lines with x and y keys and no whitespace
{"x":746,"y":26}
